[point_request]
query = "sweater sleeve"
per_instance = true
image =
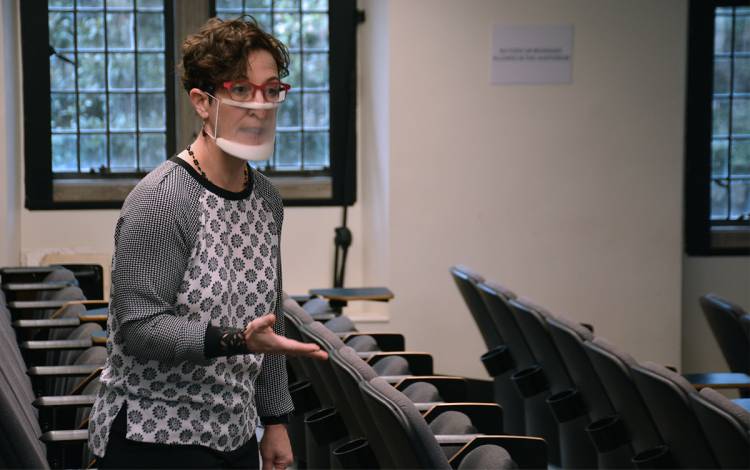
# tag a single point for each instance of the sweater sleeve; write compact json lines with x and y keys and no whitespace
{"x":153,"y":243}
{"x":272,"y":398}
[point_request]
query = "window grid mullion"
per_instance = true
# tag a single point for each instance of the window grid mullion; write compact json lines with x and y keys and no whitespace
{"x":730,"y":123}
{"x":137,"y":100}
{"x":274,"y":157}
{"x":78,"y":97}
{"x":302,"y":95}
{"x":106,"y":87}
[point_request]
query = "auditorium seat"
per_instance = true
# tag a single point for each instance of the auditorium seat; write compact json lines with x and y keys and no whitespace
{"x":667,"y":396}
{"x":498,"y":359}
{"x":569,"y":337}
{"x":632,"y":428}
{"x":410,"y":442}
{"x":513,"y":357}
{"x":561,"y":395}
{"x":730,"y":325}
{"x":726,"y":426}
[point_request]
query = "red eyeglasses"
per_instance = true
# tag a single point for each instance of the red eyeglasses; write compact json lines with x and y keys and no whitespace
{"x":273,"y":92}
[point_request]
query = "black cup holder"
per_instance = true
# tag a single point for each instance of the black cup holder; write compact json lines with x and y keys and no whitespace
{"x":356,"y":454}
{"x":608,"y":433}
{"x":566,"y":405}
{"x":655,"y":457}
{"x":325,"y":425}
{"x":498,"y":361}
{"x":530,"y":381}
{"x":303,"y":397}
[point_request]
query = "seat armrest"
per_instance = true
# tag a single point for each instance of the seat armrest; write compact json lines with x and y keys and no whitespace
{"x":20,"y":305}
{"x":323,"y":316}
{"x":78,"y":435}
{"x":453,"y":439}
{"x":35,"y":286}
{"x":526,"y":451}
{"x":386,"y":341}
{"x":49,"y":345}
{"x":47,"y":323}
{"x":451,"y":389}
{"x":486,"y":417}
{"x":344,"y":334}
{"x":94,"y":318}
{"x":87,"y":304}
{"x":64,"y":401}
{"x":420,"y":363}
{"x":61,"y":371}
{"x":426,"y":406}
{"x":394,"y":379}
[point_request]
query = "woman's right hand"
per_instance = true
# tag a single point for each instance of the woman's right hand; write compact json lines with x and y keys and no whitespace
{"x":260,"y":338}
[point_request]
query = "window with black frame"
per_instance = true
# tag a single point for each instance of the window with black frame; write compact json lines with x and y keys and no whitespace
{"x":100,"y":108}
{"x":101,"y":94}
{"x":718,"y":129}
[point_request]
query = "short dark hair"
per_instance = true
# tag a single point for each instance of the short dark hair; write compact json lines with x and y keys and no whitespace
{"x":218,"y":52}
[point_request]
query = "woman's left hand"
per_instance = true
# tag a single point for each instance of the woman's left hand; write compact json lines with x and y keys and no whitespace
{"x":260,"y":338}
{"x":275,"y":448}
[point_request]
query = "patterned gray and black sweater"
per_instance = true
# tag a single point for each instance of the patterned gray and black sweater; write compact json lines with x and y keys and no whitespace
{"x":191,"y":262}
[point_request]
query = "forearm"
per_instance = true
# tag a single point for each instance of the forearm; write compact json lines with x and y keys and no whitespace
{"x":166,"y":338}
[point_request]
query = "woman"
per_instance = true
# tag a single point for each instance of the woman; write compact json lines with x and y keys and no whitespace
{"x":196,"y":355}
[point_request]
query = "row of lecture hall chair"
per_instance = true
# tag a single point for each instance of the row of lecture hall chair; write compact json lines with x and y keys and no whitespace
{"x":372,"y":405}
{"x":594,"y":404}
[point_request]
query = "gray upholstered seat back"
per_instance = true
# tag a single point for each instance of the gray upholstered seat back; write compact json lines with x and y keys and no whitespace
{"x":325,"y":334}
{"x":350,"y":370}
{"x":724,"y":317}
{"x":340,"y":324}
{"x":487,"y":457}
{"x":296,"y":312}
{"x":667,"y":396}
{"x":614,"y":369}
{"x":408,"y":437}
{"x":569,"y":337}
{"x":392,"y":365}
{"x":19,"y":435}
{"x":467,"y":280}
{"x":317,"y":305}
{"x":363,"y":343}
{"x":422,"y":392}
{"x":727,"y":427}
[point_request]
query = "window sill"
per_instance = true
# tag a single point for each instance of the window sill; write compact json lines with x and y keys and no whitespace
{"x":295,"y":190}
{"x":730,"y":237}
{"x":730,"y":240}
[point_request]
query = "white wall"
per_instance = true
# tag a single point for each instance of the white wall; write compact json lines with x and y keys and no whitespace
{"x":9,"y":162}
{"x":568,"y":194}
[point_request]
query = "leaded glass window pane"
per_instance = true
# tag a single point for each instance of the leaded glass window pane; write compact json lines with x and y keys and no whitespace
{"x":730,"y":169}
{"x":107,"y":81}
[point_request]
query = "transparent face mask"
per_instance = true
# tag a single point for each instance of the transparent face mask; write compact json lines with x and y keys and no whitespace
{"x":249,"y":135}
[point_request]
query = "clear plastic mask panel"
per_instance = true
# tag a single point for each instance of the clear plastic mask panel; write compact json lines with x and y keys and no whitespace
{"x":245,"y":130}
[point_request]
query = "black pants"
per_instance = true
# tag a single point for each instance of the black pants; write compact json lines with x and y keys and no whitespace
{"x":124,"y":453}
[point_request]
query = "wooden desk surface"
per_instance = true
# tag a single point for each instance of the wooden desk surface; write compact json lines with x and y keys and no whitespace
{"x":345,"y":294}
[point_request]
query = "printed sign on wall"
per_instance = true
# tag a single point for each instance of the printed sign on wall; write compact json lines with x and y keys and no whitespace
{"x":532,"y":54}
